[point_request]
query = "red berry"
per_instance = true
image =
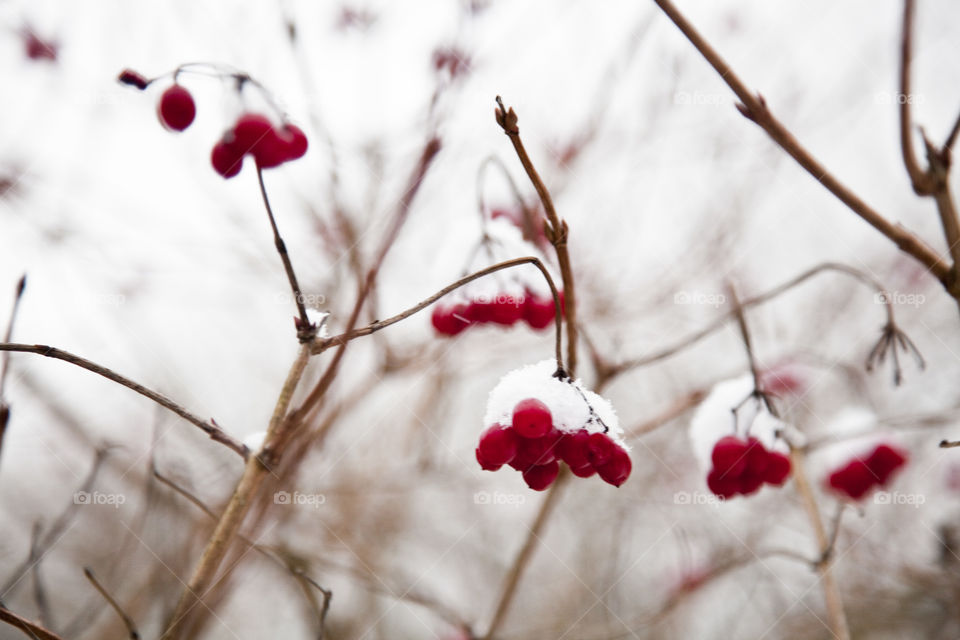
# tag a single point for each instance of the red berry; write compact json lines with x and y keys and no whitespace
{"x":600,"y":448}
{"x":447,"y":321}
{"x":778,"y":468}
{"x":583,"y":472}
{"x":535,"y":451}
{"x":572,"y":449}
{"x":757,"y":458}
{"x":176,"y":109}
{"x":531,"y":418}
{"x":730,"y":456}
{"x":884,"y":461}
{"x":540,"y":477}
{"x":538,"y":312}
{"x":617,"y":469}
{"x":480,"y":311}
{"x":750,"y":482}
{"x":497,"y":447}
{"x":295,"y":141}
{"x":226,"y":159}
{"x":506,"y":311}
{"x":854,"y":480}
{"x":722,"y":485}
{"x":132,"y":78}
{"x":250,"y":130}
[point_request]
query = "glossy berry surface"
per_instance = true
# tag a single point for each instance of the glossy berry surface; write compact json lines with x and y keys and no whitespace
{"x":860,"y":475}
{"x":176,"y":109}
{"x":531,"y":418}
{"x":498,"y":446}
{"x":742,"y":467}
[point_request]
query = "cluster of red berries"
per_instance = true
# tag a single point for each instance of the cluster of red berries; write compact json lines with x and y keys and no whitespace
{"x":253,"y":134}
{"x":506,"y":310}
{"x":535,"y":447}
{"x":860,"y":475}
{"x":743,"y":466}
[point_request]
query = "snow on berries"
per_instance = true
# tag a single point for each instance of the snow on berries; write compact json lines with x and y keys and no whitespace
{"x":536,"y":421}
{"x":503,"y":298}
{"x":176,"y":108}
{"x":736,"y":441}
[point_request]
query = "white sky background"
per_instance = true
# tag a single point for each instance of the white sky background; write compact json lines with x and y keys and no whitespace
{"x":140,"y":257}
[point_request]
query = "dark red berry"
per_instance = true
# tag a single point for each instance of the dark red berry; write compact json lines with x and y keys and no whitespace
{"x":778,"y":468}
{"x":572,"y":449}
{"x":600,"y":448}
{"x":176,"y":109}
{"x":853,"y":480}
{"x":132,"y":78}
{"x":446,"y":322}
{"x":750,"y":482}
{"x":757,"y":458}
{"x":226,"y":159}
{"x":538,"y":312}
{"x":535,"y":451}
{"x":506,"y":311}
{"x":480,"y":311}
{"x":729,"y":456}
{"x":722,"y":485}
{"x":540,"y":477}
{"x":531,"y":418}
{"x":884,"y":461}
{"x":617,"y":468}
{"x":497,"y":447}
{"x":295,"y":141}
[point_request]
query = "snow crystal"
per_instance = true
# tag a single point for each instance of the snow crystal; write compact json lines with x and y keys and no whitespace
{"x":570,"y":409}
{"x":714,"y":419}
{"x":319,"y":320}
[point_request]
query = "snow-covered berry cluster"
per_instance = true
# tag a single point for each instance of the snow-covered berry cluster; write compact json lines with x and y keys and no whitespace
{"x":270,"y":143}
{"x":737,"y":441}
{"x":856,"y":478}
{"x":743,"y":466}
{"x":537,"y":420}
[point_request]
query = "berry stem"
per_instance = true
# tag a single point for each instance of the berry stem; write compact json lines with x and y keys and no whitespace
{"x":556,"y":230}
{"x":305,"y":333}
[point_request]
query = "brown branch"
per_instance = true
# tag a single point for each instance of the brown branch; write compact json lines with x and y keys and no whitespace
{"x":132,"y":632}
{"x":322,"y":345}
{"x":755,"y":108}
{"x":831,"y":593}
{"x":919,"y":178}
{"x":557,"y":230}
{"x":229,"y":522}
{"x":210,"y":428}
{"x":403,"y":209}
{"x":30,"y":628}
{"x":762,"y":298}
{"x":524,"y":555}
{"x":304,"y":331}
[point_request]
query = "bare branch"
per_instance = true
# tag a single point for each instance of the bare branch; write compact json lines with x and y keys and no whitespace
{"x":32,"y":629}
{"x":132,"y":632}
{"x":919,"y":178}
{"x":210,"y":428}
{"x":755,"y":108}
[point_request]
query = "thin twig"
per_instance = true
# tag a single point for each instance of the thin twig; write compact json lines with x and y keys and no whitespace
{"x":322,"y":345}
{"x":211,"y":429}
{"x":755,"y":108}
{"x":5,"y":359}
{"x":524,"y":555}
{"x":919,"y":178}
{"x":132,"y":632}
{"x":557,"y":230}
{"x":39,"y":593}
{"x":243,"y":496}
{"x":30,"y":628}
{"x":308,"y":585}
{"x":762,"y":298}
{"x":831,"y":593}
{"x":304,"y":332}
